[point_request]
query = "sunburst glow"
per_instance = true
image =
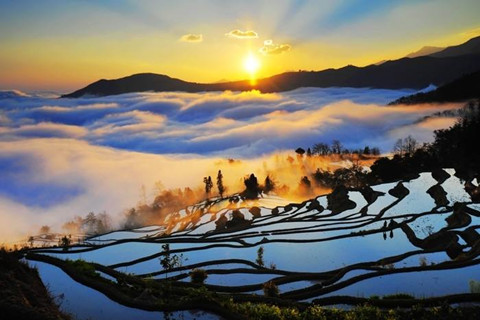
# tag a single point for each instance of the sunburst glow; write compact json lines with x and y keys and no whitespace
{"x":251,"y":64}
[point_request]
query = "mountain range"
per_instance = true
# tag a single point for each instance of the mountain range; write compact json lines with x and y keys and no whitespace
{"x":464,"y":88}
{"x":437,"y":68}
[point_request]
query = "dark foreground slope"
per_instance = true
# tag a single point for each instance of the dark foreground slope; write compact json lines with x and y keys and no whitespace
{"x":22,"y":293}
{"x":462,"y":89}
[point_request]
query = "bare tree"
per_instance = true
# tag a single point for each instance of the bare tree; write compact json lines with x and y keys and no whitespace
{"x":337,"y":147}
{"x":404,"y":146}
{"x":398,"y":147}
{"x":410,"y":145}
{"x":321,"y":148}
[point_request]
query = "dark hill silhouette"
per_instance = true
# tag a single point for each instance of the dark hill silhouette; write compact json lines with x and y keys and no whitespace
{"x":415,"y":73}
{"x":472,"y":46}
{"x":462,"y":89}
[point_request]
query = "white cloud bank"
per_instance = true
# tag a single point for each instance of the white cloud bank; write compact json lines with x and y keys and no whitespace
{"x":66,"y":157}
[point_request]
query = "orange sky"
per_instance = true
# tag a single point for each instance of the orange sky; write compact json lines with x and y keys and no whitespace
{"x":67,"y":45}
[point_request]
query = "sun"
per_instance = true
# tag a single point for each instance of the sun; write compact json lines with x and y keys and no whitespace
{"x":251,"y":64}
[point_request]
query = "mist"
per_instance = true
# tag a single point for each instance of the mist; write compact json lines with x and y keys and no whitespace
{"x":61,"y":158}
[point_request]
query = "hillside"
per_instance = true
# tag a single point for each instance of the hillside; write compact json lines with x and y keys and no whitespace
{"x":417,"y":73}
{"x":465,"y":88}
{"x":409,"y":234}
{"x":23,"y":295}
{"x":472,"y":46}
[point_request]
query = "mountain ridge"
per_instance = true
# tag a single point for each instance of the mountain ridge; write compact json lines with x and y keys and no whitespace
{"x":414,"y":73}
{"x":462,"y":89}
{"x":424,"y":51}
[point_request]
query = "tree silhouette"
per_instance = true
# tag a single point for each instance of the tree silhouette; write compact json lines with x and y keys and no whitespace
{"x":337,"y":147}
{"x":65,"y":242}
{"x":220,"y":186}
{"x":410,"y":145}
{"x":309,"y":152}
{"x":259,"y":259}
{"x":321,"y":148}
{"x":269,"y":185}
{"x":169,"y":261}
{"x":398,"y":147}
{"x":252,"y":188}
{"x":44,"y":230}
{"x":300,"y":151}
{"x":208,"y":185}
{"x":305,"y":185}
{"x":375,"y":151}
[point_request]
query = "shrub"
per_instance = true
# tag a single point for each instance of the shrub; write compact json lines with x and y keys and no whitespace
{"x":270,"y":289}
{"x":198,"y":275}
{"x":398,"y":296}
{"x":314,"y":313}
{"x":84,"y":267}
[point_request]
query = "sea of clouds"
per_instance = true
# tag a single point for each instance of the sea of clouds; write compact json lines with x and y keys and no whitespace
{"x":66,"y":157}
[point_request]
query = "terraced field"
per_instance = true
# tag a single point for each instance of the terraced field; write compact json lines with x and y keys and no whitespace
{"x":417,"y":237}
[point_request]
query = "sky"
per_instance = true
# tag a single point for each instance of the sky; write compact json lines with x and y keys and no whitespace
{"x":64,"y":45}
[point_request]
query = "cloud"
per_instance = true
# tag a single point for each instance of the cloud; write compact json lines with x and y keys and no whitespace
{"x":191,"y":38}
{"x":213,"y":123}
{"x":238,"y":34}
{"x":44,"y":129}
{"x":66,"y":157}
{"x":269,"y":48}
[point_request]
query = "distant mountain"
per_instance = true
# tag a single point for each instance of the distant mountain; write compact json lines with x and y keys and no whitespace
{"x":464,"y":88}
{"x":472,"y":46}
{"x":425,"y":51}
{"x":415,"y":73}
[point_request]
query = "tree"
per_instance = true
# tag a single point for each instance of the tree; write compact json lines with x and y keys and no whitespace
{"x":410,"y":145}
{"x":322,"y":178}
{"x":366,"y":150}
{"x":300,"y":151}
{"x":398,"y":147}
{"x":305,"y":182}
{"x":337,"y":147}
{"x":44,"y":230}
{"x":65,"y":242}
{"x":221,"y":188}
{"x":405,"y":146}
{"x":198,"y":276}
{"x":269,"y":185}
{"x":31,"y":241}
{"x":103,"y":223}
{"x":252,"y":188}
{"x":208,"y":185}
{"x":132,"y":219}
{"x":309,"y":152}
{"x":169,"y":261}
{"x":259,"y":259}
{"x":375,"y":151}
{"x":89,"y":223}
{"x":321,"y":149}
{"x":270,"y":289}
